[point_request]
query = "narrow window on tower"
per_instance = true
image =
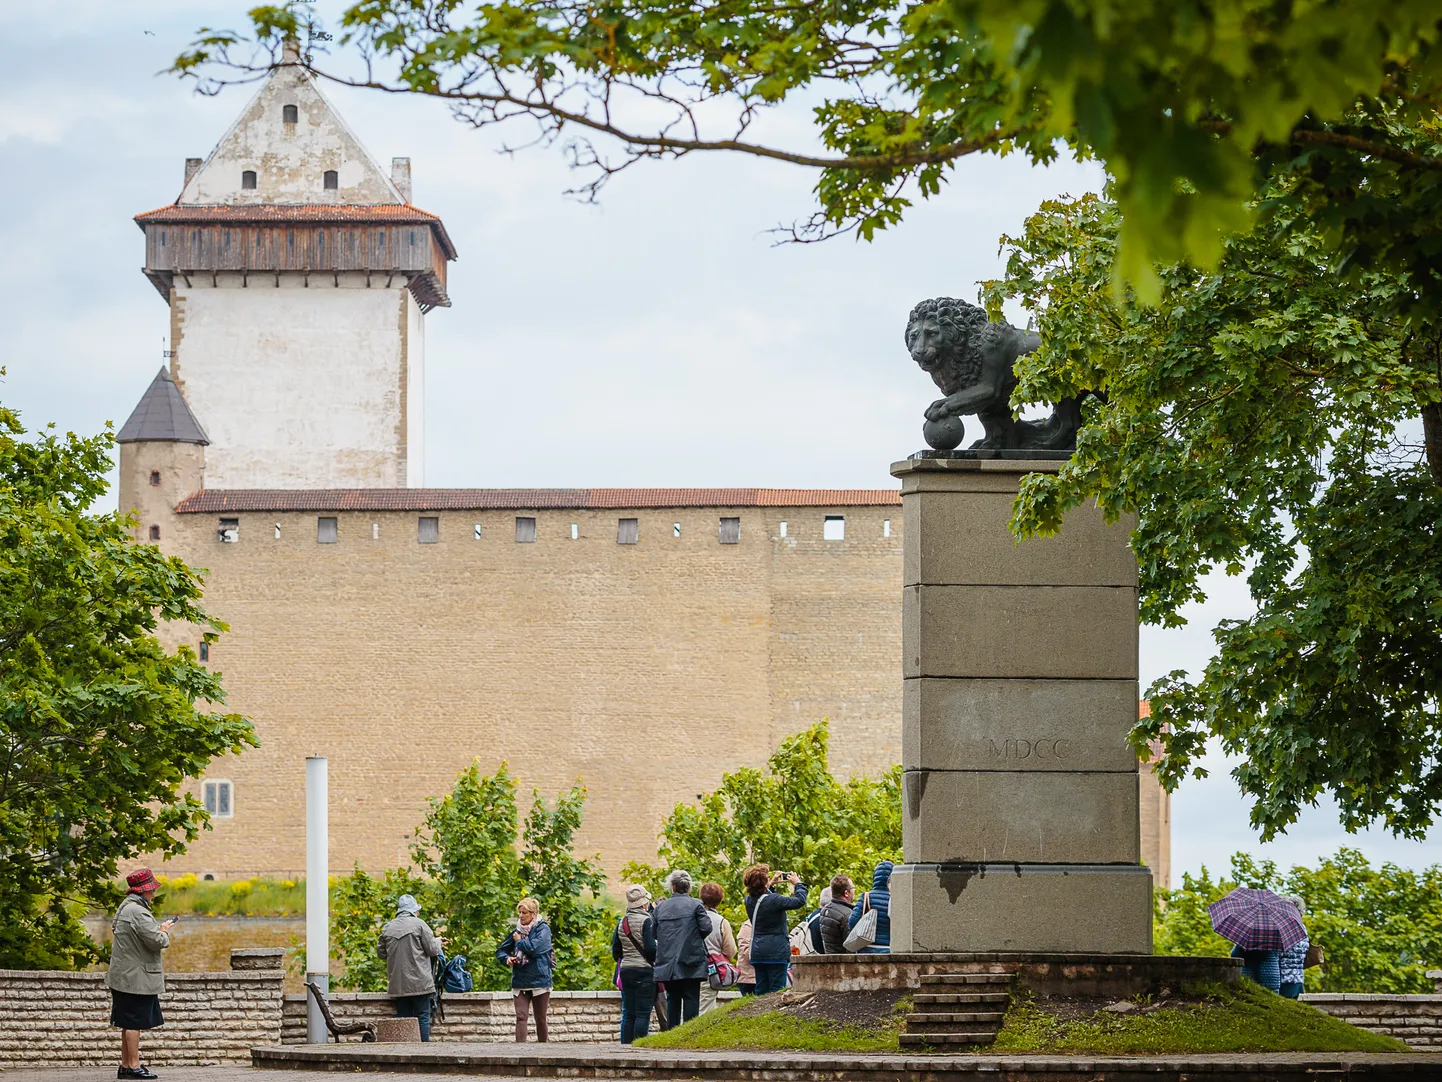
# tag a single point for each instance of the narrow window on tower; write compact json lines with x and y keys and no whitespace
{"x":628,"y":531}
{"x":289,"y":114}
{"x":476,"y":531}
{"x":834,"y":528}
{"x":730,"y":532}
{"x":155,"y":533}
{"x":675,"y":529}
{"x":783,"y":527}
{"x":205,"y":651}
{"x":331,"y":179}
{"x":886,"y":527}
{"x":575,"y":531}
{"x":525,"y":530}
{"x":375,"y":531}
{"x":247,"y":179}
{"x":326,"y":531}
{"x":428,"y":531}
{"x":229,"y":531}
{"x":154,"y":478}
{"x":277,"y":531}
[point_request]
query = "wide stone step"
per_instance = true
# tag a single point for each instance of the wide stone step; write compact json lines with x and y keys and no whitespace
{"x":951,"y":1018}
{"x":927,"y":998}
{"x":935,"y":1040}
{"x":928,"y":979}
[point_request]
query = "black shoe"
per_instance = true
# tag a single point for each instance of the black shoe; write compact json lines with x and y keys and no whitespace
{"x":136,"y":1072}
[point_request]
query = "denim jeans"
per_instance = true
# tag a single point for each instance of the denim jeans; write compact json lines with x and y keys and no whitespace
{"x":1291,"y":989}
{"x":416,"y":1007}
{"x":638,"y":999}
{"x":770,"y":977}
{"x":683,"y":1001}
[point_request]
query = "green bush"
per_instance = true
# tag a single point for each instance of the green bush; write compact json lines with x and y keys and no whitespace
{"x":796,"y":817}
{"x":1381,"y":928}
{"x":468,"y":876}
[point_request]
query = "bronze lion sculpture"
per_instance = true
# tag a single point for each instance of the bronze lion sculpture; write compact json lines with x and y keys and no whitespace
{"x":971,"y":359}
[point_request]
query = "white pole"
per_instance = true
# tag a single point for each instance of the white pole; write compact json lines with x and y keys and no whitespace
{"x":317,"y":891}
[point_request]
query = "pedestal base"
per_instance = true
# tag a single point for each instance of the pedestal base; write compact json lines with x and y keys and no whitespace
{"x":1043,"y":908}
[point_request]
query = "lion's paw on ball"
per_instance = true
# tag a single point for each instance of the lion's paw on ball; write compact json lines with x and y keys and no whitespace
{"x":945,"y":434}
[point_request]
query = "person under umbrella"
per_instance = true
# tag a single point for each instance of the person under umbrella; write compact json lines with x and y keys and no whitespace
{"x":1262,"y":925}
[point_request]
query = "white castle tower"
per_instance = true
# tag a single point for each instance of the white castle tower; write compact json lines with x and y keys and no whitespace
{"x":298,"y":276}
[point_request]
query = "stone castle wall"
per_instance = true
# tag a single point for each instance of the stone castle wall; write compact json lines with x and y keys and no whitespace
{"x":1414,"y":1019}
{"x":646,"y":670}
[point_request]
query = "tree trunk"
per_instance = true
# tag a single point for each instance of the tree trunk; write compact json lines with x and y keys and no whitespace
{"x":1432,"y":439}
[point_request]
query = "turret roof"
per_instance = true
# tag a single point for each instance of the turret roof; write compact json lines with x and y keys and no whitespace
{"x":162,"y":414}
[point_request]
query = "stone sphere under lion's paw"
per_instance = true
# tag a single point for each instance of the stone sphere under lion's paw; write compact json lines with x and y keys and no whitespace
{"x":944,"y":435}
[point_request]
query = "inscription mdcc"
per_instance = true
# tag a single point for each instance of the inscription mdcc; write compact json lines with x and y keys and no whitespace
{"x":1041,"y":749}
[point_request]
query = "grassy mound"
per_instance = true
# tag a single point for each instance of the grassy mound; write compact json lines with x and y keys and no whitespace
{"x":1244,"y":1018}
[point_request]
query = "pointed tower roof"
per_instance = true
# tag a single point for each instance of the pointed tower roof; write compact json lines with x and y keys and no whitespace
{"x":287,"y":138}
{"x":162,"y":414}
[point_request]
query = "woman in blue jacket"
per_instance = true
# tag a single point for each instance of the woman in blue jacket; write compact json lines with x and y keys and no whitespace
{"x":770,"y":942}
{"x":527,"y":951}
{"x":879,"y":899}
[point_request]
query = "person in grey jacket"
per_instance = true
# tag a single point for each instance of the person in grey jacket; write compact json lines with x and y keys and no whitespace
{"x":407,"y":946}
{"x":682,"y":926}
{"x":135,"y":978}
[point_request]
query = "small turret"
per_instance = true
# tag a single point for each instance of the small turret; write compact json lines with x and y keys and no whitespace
{"x":162,"y":457}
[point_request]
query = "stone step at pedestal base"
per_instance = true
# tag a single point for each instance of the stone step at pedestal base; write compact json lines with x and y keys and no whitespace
{"x":940,"y":1040}
{"x":957,"y":1009}
{"x":943,"y":1021}
{"x":927,"y":999}
{"x":1002,"y":980}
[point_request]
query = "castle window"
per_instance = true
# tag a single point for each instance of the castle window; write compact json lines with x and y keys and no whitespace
{"x":162,"y":238}
{"x":277,"y":531}
{"x":886,"y":527}
{"x":331,"y":180}
{"x":205,"y":651}
{"x":413,"y":236}
{"x":525,"y":530}
{"x":247,"y":179}
{"x":428,"y":531}
{"x":476,"y":531}
{"x":834,"y":528}
{"x":289,"y":114}
{"x":675,"y":529}
{"x":155,"y":533}
{"x":628,"y":531}
{"x":326,"y":531}
{"x":375,"y":531}
{"x":575,"y":531}
{"x":229,"y":531}
{"x":730,"y":533}
{"x":217,"y":798}
{"x":154,"y":478}
{"x":783,"y":527}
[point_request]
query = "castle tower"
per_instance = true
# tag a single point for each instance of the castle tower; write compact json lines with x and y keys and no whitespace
{"x":162,"y":457}
{"x":298,"y":276}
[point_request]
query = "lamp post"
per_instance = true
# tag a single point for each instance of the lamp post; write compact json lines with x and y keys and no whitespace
{"x":317,"y":892}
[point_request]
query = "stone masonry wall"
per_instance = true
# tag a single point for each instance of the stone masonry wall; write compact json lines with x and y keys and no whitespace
{"x":55,"y":1019}
{"x":1415,"y":1019}
{"x":478,"y":1016}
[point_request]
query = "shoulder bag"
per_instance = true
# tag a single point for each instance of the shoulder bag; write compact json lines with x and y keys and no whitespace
{"x":864,"y":934}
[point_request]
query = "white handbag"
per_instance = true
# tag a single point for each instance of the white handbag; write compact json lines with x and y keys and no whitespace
{"x":864,"y":934}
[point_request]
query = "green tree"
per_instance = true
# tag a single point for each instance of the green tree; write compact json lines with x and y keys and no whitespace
{"x":101,"y":726}
{"x":1256,"y":419}
{"x":1176,"y":99}
{"x":468,"y":876}
{"x":795,"y":817}
{"x":1380,"y":928}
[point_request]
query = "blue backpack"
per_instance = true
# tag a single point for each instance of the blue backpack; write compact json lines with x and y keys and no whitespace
{"x":454,"y":976}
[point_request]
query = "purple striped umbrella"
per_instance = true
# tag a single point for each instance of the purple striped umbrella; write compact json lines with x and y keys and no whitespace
{"x":1257,"y":920}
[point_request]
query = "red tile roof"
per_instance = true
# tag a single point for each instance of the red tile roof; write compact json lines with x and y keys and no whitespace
{"x":398,"y":213}
{"x":210,"y":501}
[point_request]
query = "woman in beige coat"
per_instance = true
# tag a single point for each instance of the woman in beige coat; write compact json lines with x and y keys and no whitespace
{"x":135,"y":979}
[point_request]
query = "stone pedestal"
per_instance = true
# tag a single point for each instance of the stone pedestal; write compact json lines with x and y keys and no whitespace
{"x":1020,"y":826}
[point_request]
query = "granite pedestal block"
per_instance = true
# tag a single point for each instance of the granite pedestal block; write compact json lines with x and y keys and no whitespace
{"x":1020,"y":824}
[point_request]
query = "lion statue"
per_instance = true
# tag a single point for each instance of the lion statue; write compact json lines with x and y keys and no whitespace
{"x":971,"y":359}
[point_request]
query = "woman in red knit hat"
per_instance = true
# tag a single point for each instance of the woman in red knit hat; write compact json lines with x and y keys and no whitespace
{"x":135,"y":978}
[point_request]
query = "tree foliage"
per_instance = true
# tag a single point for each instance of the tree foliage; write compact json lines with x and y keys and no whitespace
{"x":1176,"y":99}
{"x":101,"y":726}
{"x":795,"y":816}
{"x":1380,"y":928}
{"x":1257,"y":419}
{"x":468,"y":875}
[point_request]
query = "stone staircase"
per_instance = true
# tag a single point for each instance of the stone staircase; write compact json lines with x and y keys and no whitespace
{"x":953,"y":1009}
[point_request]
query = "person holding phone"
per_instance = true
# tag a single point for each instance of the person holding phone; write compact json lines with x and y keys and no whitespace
{"x":135,"y":978}
{"x":767,"y":908}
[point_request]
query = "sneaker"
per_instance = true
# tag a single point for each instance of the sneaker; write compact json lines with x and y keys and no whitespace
{"x":142,"y":1072}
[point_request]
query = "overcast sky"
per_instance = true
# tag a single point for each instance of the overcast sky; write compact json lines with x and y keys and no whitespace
{"x":659,"y":339}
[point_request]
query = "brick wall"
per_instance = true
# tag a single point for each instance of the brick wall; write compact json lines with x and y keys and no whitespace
{"x":479,"y":1016}
{"x":56,"y":1019}
{"x":1415,"y":1019}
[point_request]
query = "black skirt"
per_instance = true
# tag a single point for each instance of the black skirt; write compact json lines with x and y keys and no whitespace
{"x":131,"y":1011}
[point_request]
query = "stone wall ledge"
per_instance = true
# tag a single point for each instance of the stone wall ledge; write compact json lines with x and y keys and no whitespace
{"x":1419,"y":998}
